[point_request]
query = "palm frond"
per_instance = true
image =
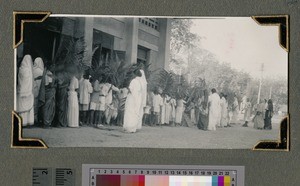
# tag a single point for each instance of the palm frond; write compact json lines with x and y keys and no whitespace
{"x":163,"y":79}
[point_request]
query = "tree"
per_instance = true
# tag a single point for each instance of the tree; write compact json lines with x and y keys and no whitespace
{"x":181,"y":37}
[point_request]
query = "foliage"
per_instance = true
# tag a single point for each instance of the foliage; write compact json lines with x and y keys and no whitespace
{"x":194,"y":63}
{"x":111,"y":70}
{"x":170,"y":83}
{"x":163,"y":79}
{"x":277,"y":87}
{"x":181,"y":35}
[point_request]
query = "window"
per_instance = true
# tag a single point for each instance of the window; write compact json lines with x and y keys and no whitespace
{"x":142,"y":54}
{"x":150,"y":22}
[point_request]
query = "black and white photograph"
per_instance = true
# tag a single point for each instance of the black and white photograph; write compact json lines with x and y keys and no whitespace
{"x":151,"y":82}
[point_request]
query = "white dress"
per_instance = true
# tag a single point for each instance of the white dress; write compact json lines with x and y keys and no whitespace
{"x":163,"y":111}
{"x":132,"y":106}
{"x":143,"y":83}
{"x":179,"y":111}
{"x":173,"y":109}
{"x":168,"y":108}
{"x":214,"y":111}
{"x":73,"y":107}
{"x":25,"y":95}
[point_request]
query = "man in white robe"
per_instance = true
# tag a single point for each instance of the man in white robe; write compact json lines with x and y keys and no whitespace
{"x":143,"y":83}
{"x":132,"y":105}
{"x":214,"y":110}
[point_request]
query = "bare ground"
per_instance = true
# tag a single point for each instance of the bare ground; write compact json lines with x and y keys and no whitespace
{"x":235,"y":137}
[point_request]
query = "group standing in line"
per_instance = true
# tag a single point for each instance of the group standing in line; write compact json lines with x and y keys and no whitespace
{"x":51,"y":97}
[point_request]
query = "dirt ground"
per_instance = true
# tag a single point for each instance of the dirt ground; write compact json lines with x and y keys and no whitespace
{"x":235,"y":137}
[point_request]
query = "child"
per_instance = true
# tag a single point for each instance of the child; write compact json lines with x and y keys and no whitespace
{"x":157,"y":104}
{"x":94,"y":105}
{"x":109,"y":98}
{"x":85,"y":88}
{"x":102,"y":103}
{"x":122,"y":94}
{"x":112,"y":110}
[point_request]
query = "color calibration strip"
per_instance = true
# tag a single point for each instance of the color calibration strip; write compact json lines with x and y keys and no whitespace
{"x":142,"y":180}
{"x":151,"y":175}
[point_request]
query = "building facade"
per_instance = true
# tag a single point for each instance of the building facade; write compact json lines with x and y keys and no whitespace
{"x":133,"y":39}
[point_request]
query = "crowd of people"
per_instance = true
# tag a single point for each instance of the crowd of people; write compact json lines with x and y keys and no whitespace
{"x":51,"y":97}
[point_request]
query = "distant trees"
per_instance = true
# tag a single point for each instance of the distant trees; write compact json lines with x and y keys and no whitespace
{"x":194,"y":63}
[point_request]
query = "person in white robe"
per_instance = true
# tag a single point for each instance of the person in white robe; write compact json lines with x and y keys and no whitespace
{"x":163,"y":111}
{"x":219,"y":114}
{"x":173,"y":110}
{"x":38,"y":70}
{"x":168,"y":109}
{"x":108,"y":99}
{"x":179,"y":111}
{"x":235,"y":111}
{"x":132,"y":104}
{"x":223,"y":104}
{"x":214,"y":109}
{"x":73,"y":107}
{"x":143,"y":83}
{"x":247,"y":112}
{"x":25,"y":95}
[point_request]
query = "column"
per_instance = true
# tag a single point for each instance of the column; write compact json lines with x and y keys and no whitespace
{"x":84,"y":28}
{"x":164,"y":43}
{"x":132,"y":27}
{"x":88,"y":39}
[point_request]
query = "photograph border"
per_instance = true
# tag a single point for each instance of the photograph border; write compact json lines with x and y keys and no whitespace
{"x":21,"y":17}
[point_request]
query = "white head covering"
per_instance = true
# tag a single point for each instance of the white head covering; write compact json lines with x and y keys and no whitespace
{"x":25,"y":85}
{"x":143,"y":76}
{"x":25,"y":77}
{"x":143,"y":82}
{"x":38,"y":67}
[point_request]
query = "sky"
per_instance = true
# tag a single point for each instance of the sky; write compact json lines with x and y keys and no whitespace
{"x":244,"y":44}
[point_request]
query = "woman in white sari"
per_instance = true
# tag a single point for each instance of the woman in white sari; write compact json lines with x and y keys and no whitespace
{"x":38,"y":70}
{"x":214,"y":110}
{"x":235,"y":111}
{"x":132,"y":104}
{"x":25,"y":96}
{"x":143,"y":83}
{"x":73,"y":105}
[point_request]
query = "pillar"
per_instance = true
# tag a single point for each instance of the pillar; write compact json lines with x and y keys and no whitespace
{"x":132,"y":27}
{"x":164,"y":43}
{"x":88,"y":39}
